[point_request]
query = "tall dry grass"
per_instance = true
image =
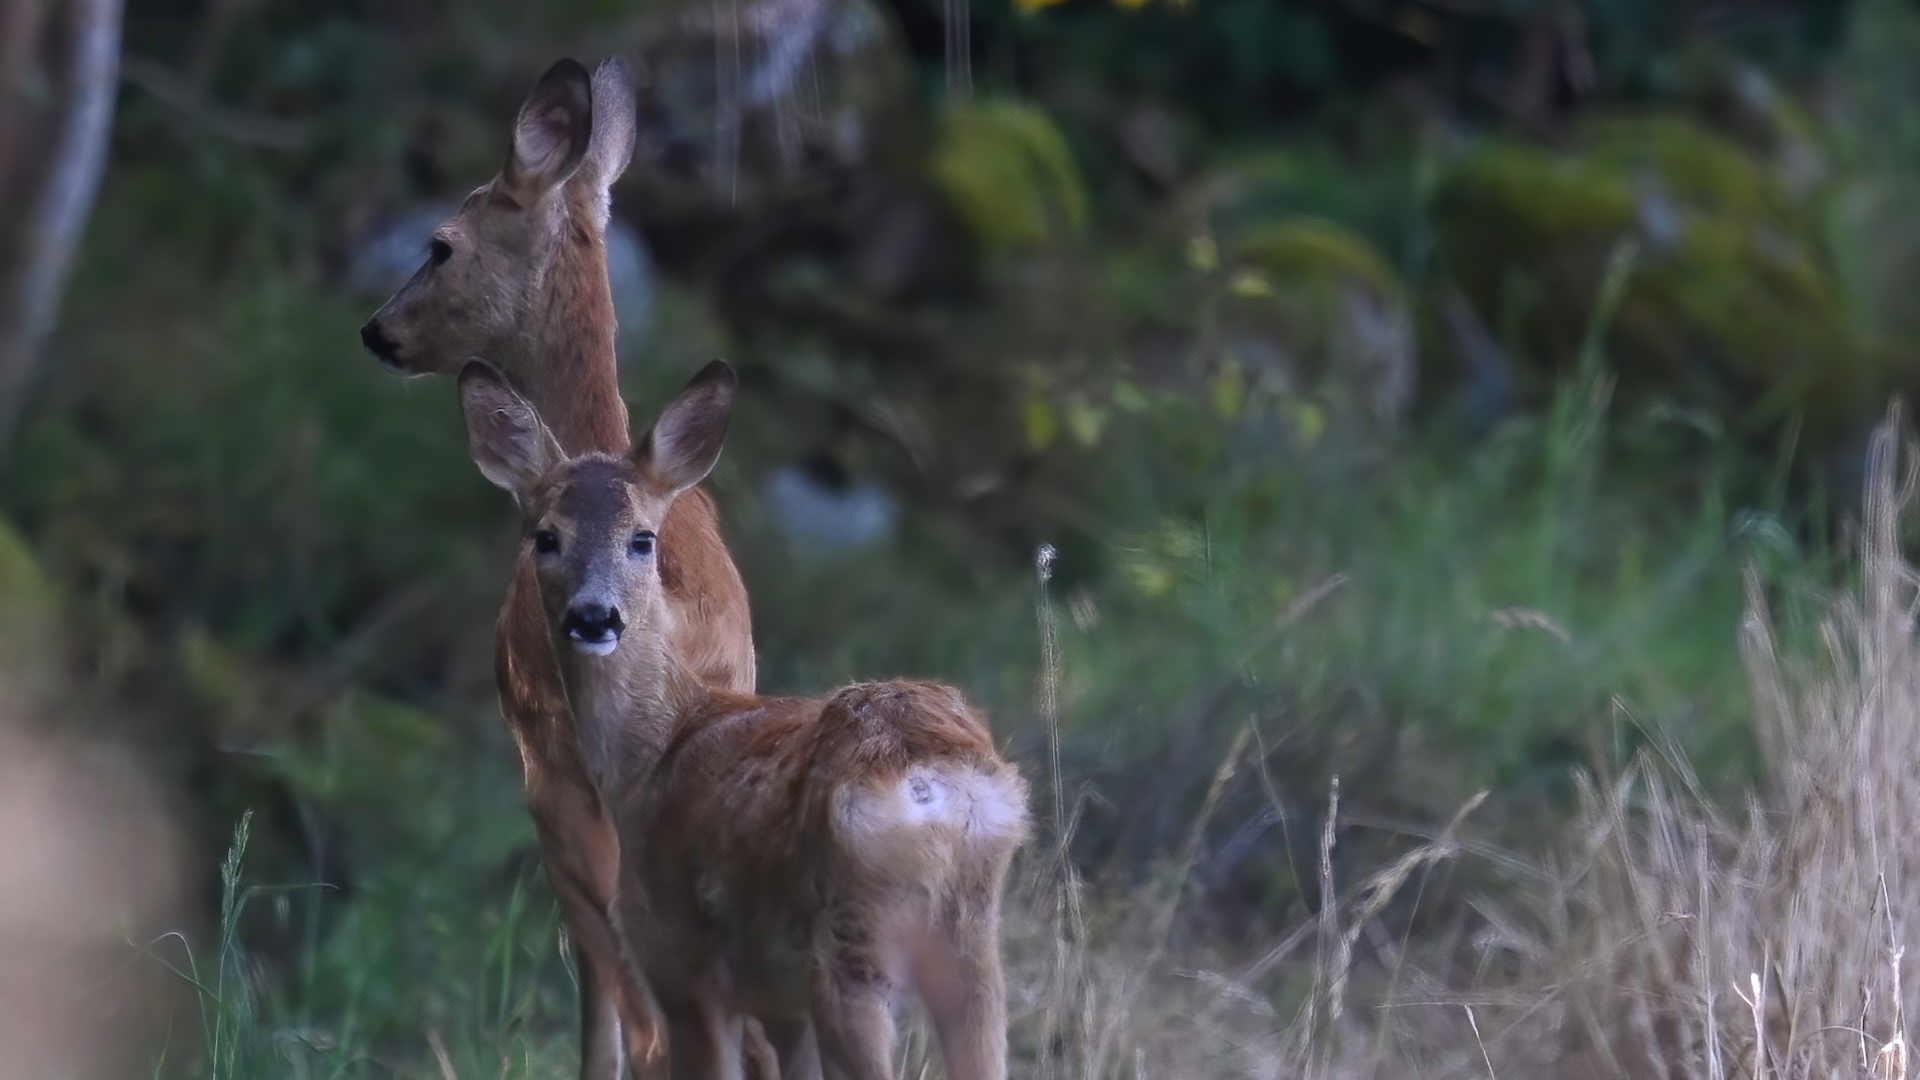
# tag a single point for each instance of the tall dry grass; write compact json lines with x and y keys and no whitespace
{"x":1670,"y":935}
{"x":1688,"y":940}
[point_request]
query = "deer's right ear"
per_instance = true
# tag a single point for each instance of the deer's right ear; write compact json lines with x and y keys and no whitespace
{"x":684,"y":445}
{"x":551,"y":136}
{"x":505,"y":436}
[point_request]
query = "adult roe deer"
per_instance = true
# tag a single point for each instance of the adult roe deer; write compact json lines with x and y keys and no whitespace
{"x":519,"y":275}
{"x":789,"y":860}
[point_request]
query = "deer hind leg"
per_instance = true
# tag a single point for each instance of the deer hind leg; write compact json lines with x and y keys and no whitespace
{"x":854,"y":1027}
{"x":851,"y":1008}
{"x":958,"y":975}
{"x":645,"y":1044}
{"x":792,"y":1041}
{"x":703,"y":1034}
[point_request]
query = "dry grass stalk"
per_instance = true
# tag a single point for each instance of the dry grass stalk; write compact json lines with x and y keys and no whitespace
{"x":1690,"y":943}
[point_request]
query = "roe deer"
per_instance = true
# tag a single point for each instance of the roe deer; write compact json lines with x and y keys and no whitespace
{"x":794,"y":861}
{"x":519,"y":275}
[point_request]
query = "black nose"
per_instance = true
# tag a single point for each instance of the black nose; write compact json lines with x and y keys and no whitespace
{"x":595,"y":624}
{"x":379,"y":344}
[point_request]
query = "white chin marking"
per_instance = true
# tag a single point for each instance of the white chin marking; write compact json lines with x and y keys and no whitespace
{"x":596,"y":648}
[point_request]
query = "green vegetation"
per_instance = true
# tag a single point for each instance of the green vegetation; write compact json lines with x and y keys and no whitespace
{"x":1384,"y":434}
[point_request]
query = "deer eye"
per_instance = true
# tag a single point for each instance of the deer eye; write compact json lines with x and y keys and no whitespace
{"x":641,"y":544}
{"x":439,"y":251}
{"x":546,"y":541}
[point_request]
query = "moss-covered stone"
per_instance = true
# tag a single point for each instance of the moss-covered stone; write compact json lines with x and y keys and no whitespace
{"x":1007,"y":170}
{"x":1733,"y":302}
{"x":1315,"y":322}
{"x":1699,"y":167}
{"x":1314,"y":251}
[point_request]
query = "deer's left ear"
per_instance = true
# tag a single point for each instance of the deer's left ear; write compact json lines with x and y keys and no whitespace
{"x":684,"y":444}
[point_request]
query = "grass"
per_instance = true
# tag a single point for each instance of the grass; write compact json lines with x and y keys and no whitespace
{"x":1276,"y":685}
{"x":1670,"y":927}
{"x":1461,"y":618}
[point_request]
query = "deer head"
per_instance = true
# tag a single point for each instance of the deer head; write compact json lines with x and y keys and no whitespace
{"x":489,"y":283}
{"x":593,"y":520}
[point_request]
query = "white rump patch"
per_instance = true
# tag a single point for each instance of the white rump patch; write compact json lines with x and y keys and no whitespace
{"x":929,"y":809}
{"x":997,"y":807}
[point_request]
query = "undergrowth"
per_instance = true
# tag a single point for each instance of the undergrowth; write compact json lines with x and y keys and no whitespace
{"x":1508,"y":615}
{"x":1670,"y":929}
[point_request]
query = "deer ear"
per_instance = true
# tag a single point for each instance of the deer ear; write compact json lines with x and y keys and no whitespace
{"x":614,"y":126}
{"x":551,"y":136}
{"x":505,"y":436}
{"x":684,"y":444}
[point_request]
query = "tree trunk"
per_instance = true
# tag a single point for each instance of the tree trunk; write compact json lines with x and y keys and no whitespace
{"x":54,"y":188}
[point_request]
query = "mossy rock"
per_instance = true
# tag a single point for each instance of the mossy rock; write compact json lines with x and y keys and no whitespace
{"x":1307,"y":179}
{"x":1736,"y":96}
{"x":1313,"y":315}
{"x":1007,"y":170}
{"x":1732,"y":304}
{"x":1697,"y":166}
{"x":1315,"y":251}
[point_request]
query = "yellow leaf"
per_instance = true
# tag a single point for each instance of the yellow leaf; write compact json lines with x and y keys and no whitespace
{"x":1203,"y":254}
{"x":1229,"y":386}
{"x":1284,"y":592}
{"x":1250,"y":283}
{"x":1084,"y":421}
{"x":1043,"y":423}
{"x":1309,"y":422}
{"x":1009,"y":172}
{"x":1150,"y":578}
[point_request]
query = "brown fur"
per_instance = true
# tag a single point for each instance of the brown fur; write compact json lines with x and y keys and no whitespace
{"x":797,"y":862}
{"x":526,"y":286}
{"x":757,"y":892}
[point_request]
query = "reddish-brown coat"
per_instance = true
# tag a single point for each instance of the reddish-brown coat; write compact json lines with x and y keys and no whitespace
{"x":787,"y":860}
{"x":540,"y":308}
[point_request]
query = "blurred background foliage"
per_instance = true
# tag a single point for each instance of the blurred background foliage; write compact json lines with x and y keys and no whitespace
{"x":1411,"y":381}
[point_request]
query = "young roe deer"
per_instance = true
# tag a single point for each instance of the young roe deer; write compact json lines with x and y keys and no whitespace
{"x":519,"y":275}
{"x":790,"y":860}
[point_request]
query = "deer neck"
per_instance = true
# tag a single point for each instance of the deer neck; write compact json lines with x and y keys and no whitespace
{"x":625,"y":705}
{"x":571,"y":375}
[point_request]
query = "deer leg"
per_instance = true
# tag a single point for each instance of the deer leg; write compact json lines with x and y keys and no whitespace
{"x":581,"y":851}
{"x":705,"y":1035}
{"x":602,"y":1050}
{"x":766,"y":1057}
{"x":855,"y":1033}
{"x":792,"y":1041}
{"x":851,"y":1009}
{"x":957,"y":973}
